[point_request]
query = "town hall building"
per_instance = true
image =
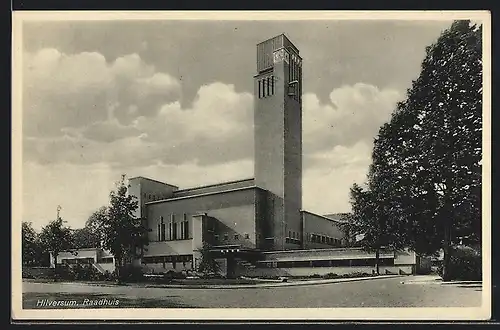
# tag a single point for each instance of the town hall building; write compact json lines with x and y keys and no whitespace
{"x":256,"y":226}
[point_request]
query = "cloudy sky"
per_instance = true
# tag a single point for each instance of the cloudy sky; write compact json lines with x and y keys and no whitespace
{"x":172,"y":100}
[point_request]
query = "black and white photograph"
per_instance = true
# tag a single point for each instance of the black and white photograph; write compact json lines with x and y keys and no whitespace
{"x":251,"y":165}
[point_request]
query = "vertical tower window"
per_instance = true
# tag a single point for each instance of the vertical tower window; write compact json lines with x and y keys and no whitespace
{"x":268,"y":79}
{"x":264,"y":88}
{"x":260,"y":88}
{"x":185,"y":228}
{"x":162,"y":231}
{"x":272,"y":85}
{"x":174,"y":230}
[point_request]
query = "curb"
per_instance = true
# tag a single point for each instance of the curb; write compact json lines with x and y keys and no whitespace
{"x":229,"y":286}
{"x":273,"y":285}
{"x":461,"y":282}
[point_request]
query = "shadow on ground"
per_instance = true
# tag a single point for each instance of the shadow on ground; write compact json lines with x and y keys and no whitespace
{"x":34,"y":300}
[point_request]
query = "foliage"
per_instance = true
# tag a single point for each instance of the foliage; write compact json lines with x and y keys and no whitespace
{"x":55,"y":238}
{"x":85,"y":238}
{"x":130,"y":273}
{"x":207,"y":265}
{"x":121,"y":232}
{"x":31,"y":247}
{"x":465,"y":264}
{"x":424,"y":182}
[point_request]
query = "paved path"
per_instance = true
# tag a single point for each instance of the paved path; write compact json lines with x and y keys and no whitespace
{"x":389,"y":292}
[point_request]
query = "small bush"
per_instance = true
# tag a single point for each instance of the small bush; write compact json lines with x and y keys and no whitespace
{"x":465,"y":264}
{"x":330,"y":276}
{"x":315,"y":276}
{"x":130,"y":273}
{"x":173,"y":275}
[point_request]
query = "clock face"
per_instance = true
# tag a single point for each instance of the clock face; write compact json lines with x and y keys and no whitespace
{"x":278,"y":56}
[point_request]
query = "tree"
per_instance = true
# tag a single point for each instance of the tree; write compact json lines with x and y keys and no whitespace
{"x":122,"y":234}
{"x":207,"y":264}
{"x":426,"y":162}
{"x":55,"y":238}
{"x":85,"y":238}
{"x":31,"y":249}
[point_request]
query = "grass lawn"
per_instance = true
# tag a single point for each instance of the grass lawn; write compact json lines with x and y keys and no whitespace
{"x":36,"y":300}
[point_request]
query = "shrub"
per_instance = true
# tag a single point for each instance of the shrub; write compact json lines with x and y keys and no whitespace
{"x":173,"y":275}
{"x":315,"y":276}
{"x":465,"y":264}
{"x":330,"y":276}
{"x":131,"y":273}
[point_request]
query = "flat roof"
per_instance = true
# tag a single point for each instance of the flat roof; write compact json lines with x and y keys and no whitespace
{"x":142,"y":177}
{"x":333,"y":257}
{"x":284,"y":36}
{"x":324,"y":217}
{"x":201,"y":195}
{"x":214,"y":185}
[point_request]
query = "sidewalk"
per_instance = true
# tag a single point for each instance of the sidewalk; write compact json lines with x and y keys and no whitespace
{"x":271,"y":285}
{"x":227,"y":286}
{"x":437,"y":280}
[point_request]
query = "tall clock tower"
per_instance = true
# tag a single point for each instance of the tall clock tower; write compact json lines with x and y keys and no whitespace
{"x":278,"y":138}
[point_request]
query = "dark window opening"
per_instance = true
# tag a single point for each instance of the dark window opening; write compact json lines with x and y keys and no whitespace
{"x":236,"y":237}
{"x":226,"y":237}
{"x":247,"y":236}
{"x":162,"y":232}
{"x":174,"y":231}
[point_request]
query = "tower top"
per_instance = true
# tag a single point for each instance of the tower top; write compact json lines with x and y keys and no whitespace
{"x":266,"y":48}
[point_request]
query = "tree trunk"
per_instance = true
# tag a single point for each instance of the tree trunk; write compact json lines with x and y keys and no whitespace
{"x":118,"y":270}
{"x":447,"y":252}
{"x":56,"y":275}
{"x":377,"y":261}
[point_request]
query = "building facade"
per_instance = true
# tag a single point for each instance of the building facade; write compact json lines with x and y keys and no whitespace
{"x":256,"y":225}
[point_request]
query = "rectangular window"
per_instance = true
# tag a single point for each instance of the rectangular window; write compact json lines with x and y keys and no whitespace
{"x":247,"y":236}
{"x":287,"y":240}
{"x":226,"y":237}
{"x":186,"y":229}
{"x":260,"y":88}
{"x":289,"y":233}
{"x":272,"y":85}
{"x":268,"y":86}
{"x":264,"y":87}
{"x":236,"y":237}
{"x":174,"y":231}
{"x":159,"y":232}
{"x":162,"y":233}
{"x":216,"y":237}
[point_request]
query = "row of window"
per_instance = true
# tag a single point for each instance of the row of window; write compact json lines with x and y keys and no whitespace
{"x":173,"y":231}
{"x":314,"y":238}
{"x":153,"y":197}
{"x":225,"y":237}
{"x":107,"y":260}
{"x":327,"y":263}
{"x":167,"y":259}
{"x":266,"y":87}
{"x":294,"y":237}
{"x":295,"y":73}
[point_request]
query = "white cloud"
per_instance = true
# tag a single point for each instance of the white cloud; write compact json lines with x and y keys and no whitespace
{"x":81,"y":189}
{"x":82,"y":111}
{"x":76,"y":90}
{"x":335,"y":171}
{"x":353,"y":113}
